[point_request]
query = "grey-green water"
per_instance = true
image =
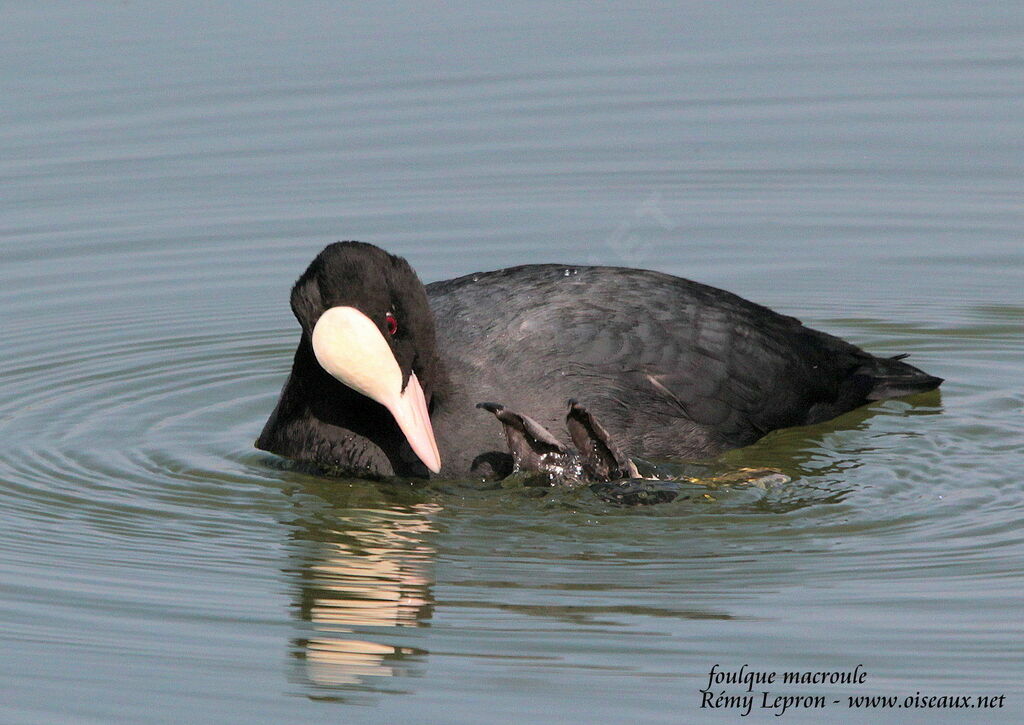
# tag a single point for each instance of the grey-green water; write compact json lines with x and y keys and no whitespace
{"x":166,"y":173}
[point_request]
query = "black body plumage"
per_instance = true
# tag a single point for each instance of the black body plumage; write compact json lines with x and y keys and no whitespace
{"x":672,"y":368}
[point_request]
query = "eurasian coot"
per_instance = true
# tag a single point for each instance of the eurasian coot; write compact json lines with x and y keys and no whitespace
{"x":388,"y":373}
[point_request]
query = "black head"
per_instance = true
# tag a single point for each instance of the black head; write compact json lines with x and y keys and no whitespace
{"x":366,"y":371}
{"x":380,"y":285}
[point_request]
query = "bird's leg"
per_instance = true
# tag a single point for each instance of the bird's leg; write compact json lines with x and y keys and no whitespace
{"x":596,"y":458}
{"x":601,"y":458}
{"x":532,"y":447}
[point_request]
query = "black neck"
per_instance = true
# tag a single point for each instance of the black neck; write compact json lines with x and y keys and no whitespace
{"x":322,"y":421}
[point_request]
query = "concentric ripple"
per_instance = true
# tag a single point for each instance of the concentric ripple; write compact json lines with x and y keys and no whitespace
{"x":131,"y":417}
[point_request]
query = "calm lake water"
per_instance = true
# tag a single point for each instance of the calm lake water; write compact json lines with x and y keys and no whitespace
{"x":166,"y":174}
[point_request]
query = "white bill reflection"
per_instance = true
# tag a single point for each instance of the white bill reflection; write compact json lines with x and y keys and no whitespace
{"x":370,"y":570}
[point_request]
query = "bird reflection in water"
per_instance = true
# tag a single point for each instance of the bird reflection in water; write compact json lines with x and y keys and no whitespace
{"x":366,"y":571}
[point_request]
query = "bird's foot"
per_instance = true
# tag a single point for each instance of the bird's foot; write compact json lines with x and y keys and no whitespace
{"x":596,"y":456}
{"x":533,"y":448}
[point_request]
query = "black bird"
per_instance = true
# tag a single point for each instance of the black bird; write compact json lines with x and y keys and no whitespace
{"x":388,"y":372}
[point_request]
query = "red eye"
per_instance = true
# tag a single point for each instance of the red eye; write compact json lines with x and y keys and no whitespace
{"x":392,"y":323}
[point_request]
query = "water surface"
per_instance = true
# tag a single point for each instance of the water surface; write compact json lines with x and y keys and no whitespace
{"x":168,"y":172}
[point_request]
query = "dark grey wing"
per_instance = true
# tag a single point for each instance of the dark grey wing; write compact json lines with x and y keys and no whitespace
{"x":741,"y":370}
{"x":672,"y":368}
{"x":696,"y":370}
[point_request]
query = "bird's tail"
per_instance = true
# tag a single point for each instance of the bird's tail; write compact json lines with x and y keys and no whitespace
{"x":893,"y":378}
